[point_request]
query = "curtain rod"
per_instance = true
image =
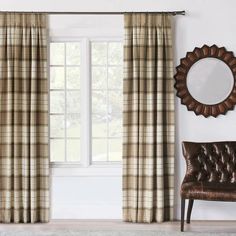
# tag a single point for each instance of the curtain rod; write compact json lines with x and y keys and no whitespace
{"x":174,"y":13}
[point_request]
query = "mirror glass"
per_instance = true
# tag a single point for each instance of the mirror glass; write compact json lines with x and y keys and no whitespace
{"x":210,"y":81}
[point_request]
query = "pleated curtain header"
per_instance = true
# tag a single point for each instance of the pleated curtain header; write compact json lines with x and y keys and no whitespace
{"x":23,"y":20}
{"x":147,"y":19}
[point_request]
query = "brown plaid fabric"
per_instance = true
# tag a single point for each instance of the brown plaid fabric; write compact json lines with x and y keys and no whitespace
{"x":24,"y":160}
{"x":148,"y":119}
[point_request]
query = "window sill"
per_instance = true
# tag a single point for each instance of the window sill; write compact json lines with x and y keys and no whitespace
{"x":77,"y":170}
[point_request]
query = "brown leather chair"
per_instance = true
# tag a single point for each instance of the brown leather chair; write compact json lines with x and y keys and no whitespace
{"x":210,"y":174}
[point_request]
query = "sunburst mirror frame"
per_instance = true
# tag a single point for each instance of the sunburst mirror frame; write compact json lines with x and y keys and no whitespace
{"x":181,"y":81}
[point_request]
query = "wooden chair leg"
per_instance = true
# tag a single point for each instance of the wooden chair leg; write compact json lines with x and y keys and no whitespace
{"x":190,"y":207}
{"x":182,"y":213}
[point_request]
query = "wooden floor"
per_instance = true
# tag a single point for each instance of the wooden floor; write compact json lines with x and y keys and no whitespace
{"x":196,"y":226}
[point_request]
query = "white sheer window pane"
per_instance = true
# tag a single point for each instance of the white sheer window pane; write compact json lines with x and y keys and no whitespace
{"x":99,"y":102}
{"x":115,"y":125}
{"x":57,"y":147}
{"x":115,"y":101}
{"x":99,"y":53}
{"x":115,"y":149}
{"x":73,"y":125}
{"x":57,"y":126}
{"x":57,"y":102}
{"x":115,"y":77}
{"x":115,"y":53}
{"x":99,"y":125}
{"x":57,"y":78}
{"x":73,"y":102}
{"x":73,"y":53}
{"x":73,"y":150}
{"x":73,"y":77}
{"x":99,"y":149}
{"x":57,"y":53}
{"x":99,"y":77}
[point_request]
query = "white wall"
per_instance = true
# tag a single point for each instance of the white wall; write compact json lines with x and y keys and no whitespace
{"x":206,"y":22}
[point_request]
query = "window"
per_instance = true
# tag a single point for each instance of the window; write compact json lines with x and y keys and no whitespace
{"x":106,"y":101}
{"x":65,"y":102}
{"x":69,"y":73}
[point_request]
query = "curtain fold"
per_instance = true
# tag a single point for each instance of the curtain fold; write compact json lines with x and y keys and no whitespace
{"x":24,"y":160}
{"x":148,"y":119}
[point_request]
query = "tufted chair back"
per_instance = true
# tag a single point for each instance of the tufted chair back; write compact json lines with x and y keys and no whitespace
{"x":210,"y":162}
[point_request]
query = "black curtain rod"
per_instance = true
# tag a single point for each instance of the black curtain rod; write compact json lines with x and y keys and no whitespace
{"x":174,"y":13}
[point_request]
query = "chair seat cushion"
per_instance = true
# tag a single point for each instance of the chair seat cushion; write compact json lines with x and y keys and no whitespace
{"x":209,"y":191}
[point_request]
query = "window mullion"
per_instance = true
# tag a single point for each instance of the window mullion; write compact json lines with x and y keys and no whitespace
{"x":85,"y":98}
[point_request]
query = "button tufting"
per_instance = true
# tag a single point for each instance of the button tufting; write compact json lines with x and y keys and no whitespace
{"x":212,"y":163}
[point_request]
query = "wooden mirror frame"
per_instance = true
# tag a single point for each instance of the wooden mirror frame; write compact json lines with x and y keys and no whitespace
{"x":181,"y":81}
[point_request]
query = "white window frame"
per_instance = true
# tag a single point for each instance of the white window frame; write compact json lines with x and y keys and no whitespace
{"x":85,"y":167}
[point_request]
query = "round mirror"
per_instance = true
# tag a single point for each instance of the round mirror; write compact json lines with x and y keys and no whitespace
{"x":206,"y":80}
{"x":210,"y":81}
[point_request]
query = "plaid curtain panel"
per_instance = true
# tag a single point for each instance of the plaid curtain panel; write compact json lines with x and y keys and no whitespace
{"x":24,"y":160}
{"x":148,"y":119}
